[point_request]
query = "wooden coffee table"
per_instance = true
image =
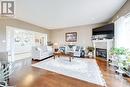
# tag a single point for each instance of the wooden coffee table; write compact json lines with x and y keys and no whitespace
{"x":70,"y":55}
{"x":58,"y":53}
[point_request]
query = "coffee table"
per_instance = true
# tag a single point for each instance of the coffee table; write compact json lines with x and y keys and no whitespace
{"x":58,"y":53}
{"x":70,"y":55}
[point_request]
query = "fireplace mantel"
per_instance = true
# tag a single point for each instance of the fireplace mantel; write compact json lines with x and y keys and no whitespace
{"x":107,"y":42}
{"x":104,"y":40}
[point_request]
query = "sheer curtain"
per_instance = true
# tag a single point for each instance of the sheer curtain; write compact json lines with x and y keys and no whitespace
{"x":127,"y":32}
{"x":122,"y":32}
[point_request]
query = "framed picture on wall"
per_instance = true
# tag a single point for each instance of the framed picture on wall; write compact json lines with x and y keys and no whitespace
{"x":71,"y":37}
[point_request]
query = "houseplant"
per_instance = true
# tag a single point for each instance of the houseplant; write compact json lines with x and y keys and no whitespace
{"x":90,"y":51}
{"x":6,"y":69}
{"x":119,"y":52}
{"x":122,"y":58}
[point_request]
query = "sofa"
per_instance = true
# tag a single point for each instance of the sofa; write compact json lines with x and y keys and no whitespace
{"x":41,"y":52}
{"x":72,"y":48}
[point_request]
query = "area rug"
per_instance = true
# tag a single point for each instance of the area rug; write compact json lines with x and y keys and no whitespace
{"x":82,"y":69}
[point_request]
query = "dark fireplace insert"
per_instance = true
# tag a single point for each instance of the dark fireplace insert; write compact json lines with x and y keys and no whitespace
{"x":101,"y":53}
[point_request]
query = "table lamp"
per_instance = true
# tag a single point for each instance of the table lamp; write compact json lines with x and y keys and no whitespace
{"x":55,"y":47}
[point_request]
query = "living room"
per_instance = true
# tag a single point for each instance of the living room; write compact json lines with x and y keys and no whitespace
{"x":64,"y":44}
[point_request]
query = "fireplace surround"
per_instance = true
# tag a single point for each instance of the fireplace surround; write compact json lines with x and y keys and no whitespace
{"x":102,"y":48}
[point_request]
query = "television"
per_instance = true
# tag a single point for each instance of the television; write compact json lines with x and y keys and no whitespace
{"x":104,"y":30}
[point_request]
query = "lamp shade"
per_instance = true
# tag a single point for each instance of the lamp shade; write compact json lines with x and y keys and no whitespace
{"x":55,"y":45}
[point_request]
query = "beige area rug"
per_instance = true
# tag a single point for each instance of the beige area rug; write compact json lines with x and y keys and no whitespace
{"x":82,"y":69}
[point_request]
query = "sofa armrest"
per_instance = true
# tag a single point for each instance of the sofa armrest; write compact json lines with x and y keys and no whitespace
{"x":36,"y":52}
{"x":49,"y":48}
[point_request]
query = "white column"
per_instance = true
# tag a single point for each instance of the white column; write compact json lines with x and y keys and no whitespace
{"x":94,"y":49}
{"x":10,"y":42}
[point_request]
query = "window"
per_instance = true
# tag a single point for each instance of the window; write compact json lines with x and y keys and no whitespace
{"x":127,"y":32}
{"x":21,"y":41}
{"x":122,"y":32}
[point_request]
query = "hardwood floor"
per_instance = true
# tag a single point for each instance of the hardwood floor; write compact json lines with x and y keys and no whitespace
{"x":34,"y":77}
{"x":112,"y":79}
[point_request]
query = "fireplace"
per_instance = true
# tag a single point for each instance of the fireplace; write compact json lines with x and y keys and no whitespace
{"x":101,"y":53}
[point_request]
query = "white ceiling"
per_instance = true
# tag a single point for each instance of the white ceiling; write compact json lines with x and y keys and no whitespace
{"x":53,"y":14}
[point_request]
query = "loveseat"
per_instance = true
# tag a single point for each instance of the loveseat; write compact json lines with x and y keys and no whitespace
{"x":72,"y":48}
{"x":41,"y":52}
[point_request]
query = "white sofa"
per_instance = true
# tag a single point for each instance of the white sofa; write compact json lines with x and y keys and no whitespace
{"x":75,"y":49}
{"x":41,"y":52}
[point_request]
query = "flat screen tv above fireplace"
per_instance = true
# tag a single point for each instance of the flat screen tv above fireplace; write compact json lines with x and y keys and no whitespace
{"x":104,"y":30}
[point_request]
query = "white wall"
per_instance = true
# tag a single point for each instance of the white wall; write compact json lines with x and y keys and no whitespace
{"x":2,"y":37}
{"x":2,"y":40}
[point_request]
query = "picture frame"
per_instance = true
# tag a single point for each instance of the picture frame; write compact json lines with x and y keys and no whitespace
{"x":71,"y":37}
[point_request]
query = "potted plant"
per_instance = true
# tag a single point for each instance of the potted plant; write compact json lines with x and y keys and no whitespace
{"x":121,"y":55}
{"x":90,"y":51}
{"x":119,"y":52}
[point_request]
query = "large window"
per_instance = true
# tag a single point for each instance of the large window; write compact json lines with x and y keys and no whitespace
{"x":122,"y":32}
{"x":20,"y":42}
{"x":127,"y":32}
